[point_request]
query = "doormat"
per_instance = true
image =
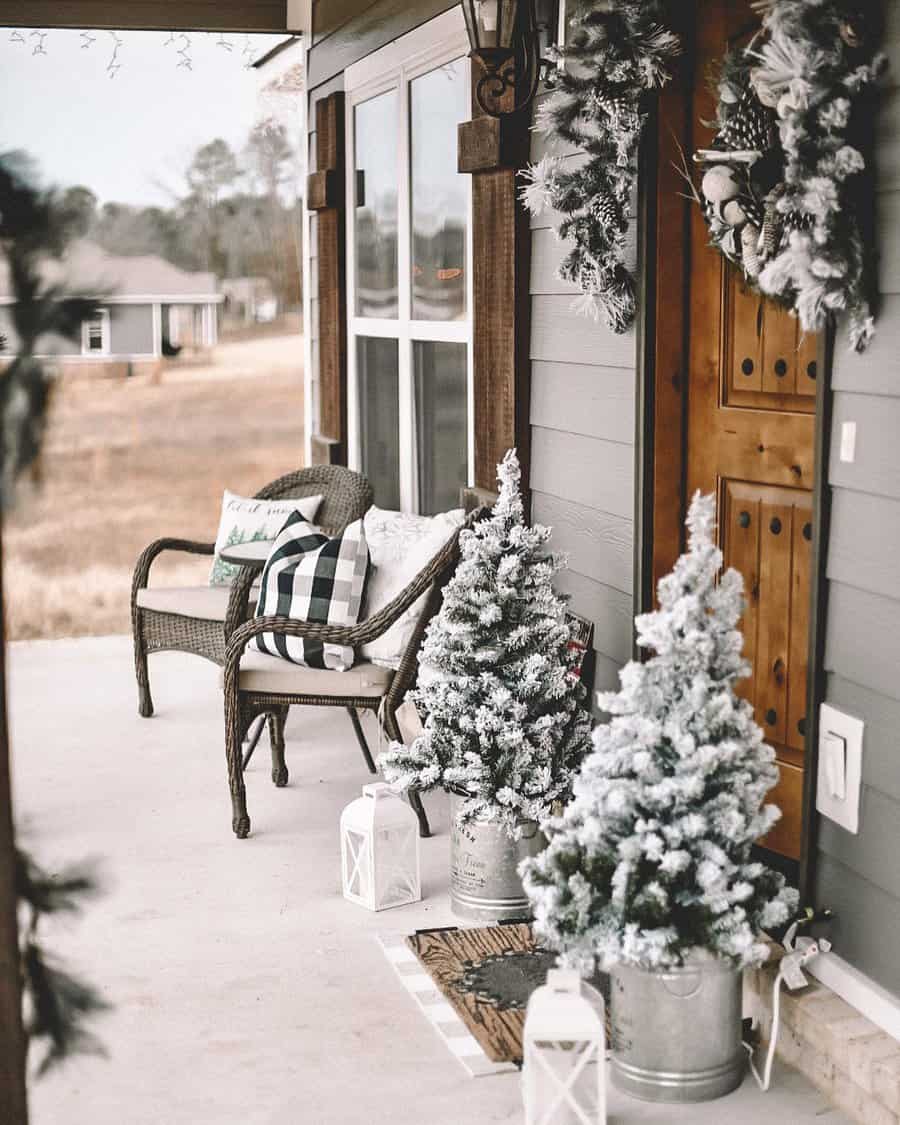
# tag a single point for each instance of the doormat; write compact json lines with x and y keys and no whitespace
{"x":473,"y":985}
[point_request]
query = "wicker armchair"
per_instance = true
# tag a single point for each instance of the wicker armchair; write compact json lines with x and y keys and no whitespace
{"x":270,"y":685}
{"x":198,"y":619}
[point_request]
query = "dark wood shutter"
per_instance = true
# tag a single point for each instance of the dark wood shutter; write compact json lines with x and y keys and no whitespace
{"x":325,"y":196}
{"x":493,"y":150}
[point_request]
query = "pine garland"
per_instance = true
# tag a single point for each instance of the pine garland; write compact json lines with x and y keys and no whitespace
{"x":615,"y":53}
{"x":505,"y":722}
{"x":650,"y":864}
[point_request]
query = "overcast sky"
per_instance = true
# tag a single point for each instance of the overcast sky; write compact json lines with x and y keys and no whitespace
{"x":129,"y":137}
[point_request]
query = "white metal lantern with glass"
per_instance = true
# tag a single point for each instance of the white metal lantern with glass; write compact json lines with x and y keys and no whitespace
{"x":380,"y":850}
{"x":564,"y":1053}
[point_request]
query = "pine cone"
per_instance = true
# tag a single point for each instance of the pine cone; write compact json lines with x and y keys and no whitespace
{"x":605,"y":209}
{"x":748,"y":126}
{"x":613,"y":104}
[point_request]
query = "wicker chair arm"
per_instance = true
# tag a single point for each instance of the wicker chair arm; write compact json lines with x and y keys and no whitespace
{"x":142,"y":568}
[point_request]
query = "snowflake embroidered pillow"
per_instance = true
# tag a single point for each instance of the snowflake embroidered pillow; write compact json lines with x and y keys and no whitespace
{"x":245,"y":520}
{"x":311,"y":577}
{"x":401,"y":545}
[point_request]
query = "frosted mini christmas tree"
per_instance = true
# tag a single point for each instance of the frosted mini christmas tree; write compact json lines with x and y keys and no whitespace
{"x":650,"y":863}
{"x":505,"y":718}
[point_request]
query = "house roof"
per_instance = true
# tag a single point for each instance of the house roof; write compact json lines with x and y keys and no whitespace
{"x":89,"y":268}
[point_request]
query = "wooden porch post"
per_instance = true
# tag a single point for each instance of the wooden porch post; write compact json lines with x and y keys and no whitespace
{"x":325,"y":196}
{"x":493,"y":150}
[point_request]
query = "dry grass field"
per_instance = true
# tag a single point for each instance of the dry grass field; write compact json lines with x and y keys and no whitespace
{"x":127,"y":462}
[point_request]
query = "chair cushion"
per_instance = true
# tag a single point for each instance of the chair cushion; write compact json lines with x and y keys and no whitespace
{"x":310,"y":577}
{"x":209,"y":603}
{"x":260,"y":672}
{"x":246,"y":520}
{"x":400,"y":545}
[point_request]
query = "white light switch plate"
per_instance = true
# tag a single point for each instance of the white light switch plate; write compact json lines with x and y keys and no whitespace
{"x":848,"y":442}
{"x":842,"y":810}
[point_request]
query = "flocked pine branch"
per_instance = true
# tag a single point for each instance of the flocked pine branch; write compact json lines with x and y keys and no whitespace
{"x":504,"y":718}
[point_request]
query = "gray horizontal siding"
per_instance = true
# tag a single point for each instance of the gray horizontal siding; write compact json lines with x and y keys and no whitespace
{"x":559,"y":333}
{"x":583,"y":398}
{"x":866,"y":923}
{"x":880,"y":762}
{"x":876,"y":467}
{"x":864,"y":544}
{"x":863,"y":640}
{"x":609,"y":609}
{"x":598,"y":545}
{"x":596,"y":474}
{"x":858,"y":875}
{"x":582,"y":440}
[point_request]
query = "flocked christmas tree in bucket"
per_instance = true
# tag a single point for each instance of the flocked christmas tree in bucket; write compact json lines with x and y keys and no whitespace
{"x":648,"y":873}
{"x":505,"y":724}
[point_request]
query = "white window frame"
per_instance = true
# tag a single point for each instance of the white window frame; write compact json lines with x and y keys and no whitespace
{"x":393,"y":67}
{"x":101,"y":317}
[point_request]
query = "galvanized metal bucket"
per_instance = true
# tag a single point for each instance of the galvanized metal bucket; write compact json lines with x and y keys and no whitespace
{"x":485,"y":885}
{"x":676,"y":1034}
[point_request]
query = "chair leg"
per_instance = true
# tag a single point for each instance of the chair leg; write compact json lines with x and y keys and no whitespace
{"x":240,"y":821}
{"x":415,"y":803}
{"x":142,"y":675}
{"x":276,"y":720}
{"x":361,"y":739}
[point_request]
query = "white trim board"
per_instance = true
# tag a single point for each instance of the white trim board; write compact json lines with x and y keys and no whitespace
{"x":869,"y":999}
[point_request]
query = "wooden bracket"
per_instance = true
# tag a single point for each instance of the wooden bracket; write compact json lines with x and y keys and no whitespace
{"x":485,"y":144}
{"x":323,"y":189}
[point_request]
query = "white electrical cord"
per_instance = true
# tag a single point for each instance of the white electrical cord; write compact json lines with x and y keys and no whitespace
{"x":791,"y":968}
{"x":763,"y":1082}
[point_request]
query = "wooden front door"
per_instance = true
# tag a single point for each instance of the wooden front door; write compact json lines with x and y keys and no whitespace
{"x":751,"y":407}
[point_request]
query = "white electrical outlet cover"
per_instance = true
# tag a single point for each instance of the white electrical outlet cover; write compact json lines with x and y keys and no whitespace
{"x":842,"y":810}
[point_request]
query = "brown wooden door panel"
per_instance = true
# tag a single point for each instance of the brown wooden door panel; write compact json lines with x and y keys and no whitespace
{"x":751,"y":398}
{"x":788,"y":796}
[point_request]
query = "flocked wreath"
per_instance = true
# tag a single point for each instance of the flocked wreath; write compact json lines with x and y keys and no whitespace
{"x":781,"y":192}
{"x":617,"y":51}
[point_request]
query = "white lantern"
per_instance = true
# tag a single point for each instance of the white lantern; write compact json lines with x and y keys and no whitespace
{"x":564,"y":1053}
{"x":380,"y":849}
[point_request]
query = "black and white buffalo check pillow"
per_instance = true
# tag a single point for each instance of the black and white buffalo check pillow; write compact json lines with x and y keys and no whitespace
{"x":310,"y":577}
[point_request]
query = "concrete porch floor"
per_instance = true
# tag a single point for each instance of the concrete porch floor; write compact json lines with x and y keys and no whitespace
{"x":244,"y":988}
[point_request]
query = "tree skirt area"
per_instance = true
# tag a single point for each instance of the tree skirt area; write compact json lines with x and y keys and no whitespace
{"x":473,"y":985}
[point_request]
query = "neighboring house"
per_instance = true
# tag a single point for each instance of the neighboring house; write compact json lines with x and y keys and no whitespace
{"x":150,"y":309}
{"x":439,"y":335}
{"x":248,"y":300}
